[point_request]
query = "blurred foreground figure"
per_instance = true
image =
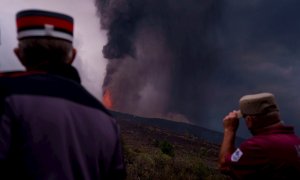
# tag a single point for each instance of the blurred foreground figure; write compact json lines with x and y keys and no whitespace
{"x":274,"y":150}
{"x":50,"y":126}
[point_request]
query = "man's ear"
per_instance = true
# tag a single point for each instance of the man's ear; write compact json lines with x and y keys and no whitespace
{"x":72,"y":56}
{"x":19,"y":56}
{"x":249,"y":121}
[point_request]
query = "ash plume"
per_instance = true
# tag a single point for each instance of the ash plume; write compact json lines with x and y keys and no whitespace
{"x":196,"y":58}
{"x":161,"y":55}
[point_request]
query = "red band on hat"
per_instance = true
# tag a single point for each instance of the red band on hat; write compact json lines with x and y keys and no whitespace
{"x":31,"y":21}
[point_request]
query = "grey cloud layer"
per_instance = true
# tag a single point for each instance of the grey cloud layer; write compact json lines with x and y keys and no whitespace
{"x":213,"y":52}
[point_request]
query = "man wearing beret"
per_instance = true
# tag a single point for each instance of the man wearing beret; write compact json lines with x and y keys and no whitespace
{"x":51,"y":127}
{"x":273,"y":152}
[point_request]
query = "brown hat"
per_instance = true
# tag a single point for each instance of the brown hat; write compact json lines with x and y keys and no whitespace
{"x":255,"y":104}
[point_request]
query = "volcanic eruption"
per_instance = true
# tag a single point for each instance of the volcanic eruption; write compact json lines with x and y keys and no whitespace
{"x":196,"y":58}
{"x":161,"y":53}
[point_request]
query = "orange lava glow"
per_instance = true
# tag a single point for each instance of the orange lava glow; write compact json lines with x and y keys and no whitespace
{"x":107,"y":100}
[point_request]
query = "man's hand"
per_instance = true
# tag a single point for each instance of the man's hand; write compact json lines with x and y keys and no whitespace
{"x":231,"y":122}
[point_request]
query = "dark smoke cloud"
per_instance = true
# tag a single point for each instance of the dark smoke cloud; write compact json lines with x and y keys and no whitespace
{"x":197,"y":57}
{"x":120,"y":17}
{"x":159,"y":46}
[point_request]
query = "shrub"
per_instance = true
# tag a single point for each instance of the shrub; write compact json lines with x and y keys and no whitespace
{"x":167,"y":148}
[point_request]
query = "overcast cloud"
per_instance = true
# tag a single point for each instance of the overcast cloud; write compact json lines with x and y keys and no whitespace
{"x":261,"y":42}
{"x":173,"y":64}
{"x":89,"y":39}
{"x":214,"y":51}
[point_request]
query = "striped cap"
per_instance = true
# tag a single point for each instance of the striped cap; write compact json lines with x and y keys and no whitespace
{"x":40,"y":23}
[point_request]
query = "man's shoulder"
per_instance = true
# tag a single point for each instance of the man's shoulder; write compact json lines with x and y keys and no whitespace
{"x":261,"y":142}
{"x":16,"y":74}
{"x":9,"y":74}
{"x":17,"y":81}
{"x":254,"y":143}
{"x":39,"y":83}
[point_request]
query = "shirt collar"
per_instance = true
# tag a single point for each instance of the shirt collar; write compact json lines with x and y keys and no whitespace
{"x":276,"y":130}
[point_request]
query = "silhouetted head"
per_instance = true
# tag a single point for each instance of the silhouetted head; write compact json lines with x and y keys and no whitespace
{"x":45,"y":38}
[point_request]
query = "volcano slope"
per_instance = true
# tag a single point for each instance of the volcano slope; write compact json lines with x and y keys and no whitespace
{"x":152,"y":152}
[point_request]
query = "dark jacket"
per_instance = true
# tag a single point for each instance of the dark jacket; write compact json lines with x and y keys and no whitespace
{"x":52,"y":128}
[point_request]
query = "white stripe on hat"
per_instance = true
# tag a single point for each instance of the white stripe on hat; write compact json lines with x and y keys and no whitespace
{"x":43,"y":32}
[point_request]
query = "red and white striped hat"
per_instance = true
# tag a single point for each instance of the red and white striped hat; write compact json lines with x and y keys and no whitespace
{"x":40,"y":23}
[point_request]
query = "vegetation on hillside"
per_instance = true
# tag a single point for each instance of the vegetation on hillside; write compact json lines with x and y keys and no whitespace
{"x":152,"y":153}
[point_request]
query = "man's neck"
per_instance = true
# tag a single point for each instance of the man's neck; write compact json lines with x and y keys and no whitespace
{"x":266,"y":128}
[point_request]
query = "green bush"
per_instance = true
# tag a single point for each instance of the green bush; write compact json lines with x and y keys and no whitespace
{"x":167,"y":148}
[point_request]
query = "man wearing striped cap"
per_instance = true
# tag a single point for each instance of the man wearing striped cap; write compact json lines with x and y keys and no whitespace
{"x":51,"y":127}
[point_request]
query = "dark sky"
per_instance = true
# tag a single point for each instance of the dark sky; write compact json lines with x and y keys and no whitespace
{"x":261,"y":42}
{"x":196,"y":58}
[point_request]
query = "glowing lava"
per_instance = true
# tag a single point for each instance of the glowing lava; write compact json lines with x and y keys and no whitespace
{"x":107,"y":99}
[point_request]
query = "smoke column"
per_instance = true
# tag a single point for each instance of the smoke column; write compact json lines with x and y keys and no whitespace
{"x":194,"y":59}
{"x":161,"y":55}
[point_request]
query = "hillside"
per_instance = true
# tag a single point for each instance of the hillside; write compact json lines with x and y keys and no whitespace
{"x":178,"y":127}
{"x":153,"y":152}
